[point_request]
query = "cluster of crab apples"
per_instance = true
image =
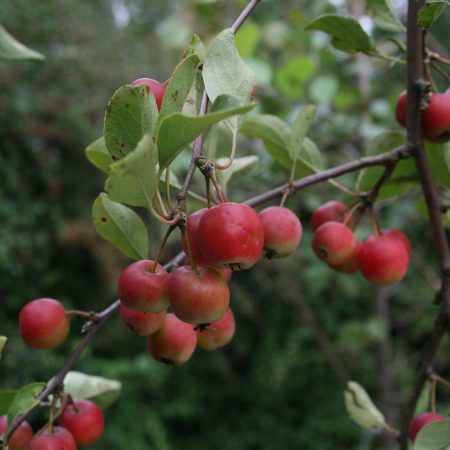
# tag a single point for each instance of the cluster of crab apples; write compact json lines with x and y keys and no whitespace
{"x":81,"y":423}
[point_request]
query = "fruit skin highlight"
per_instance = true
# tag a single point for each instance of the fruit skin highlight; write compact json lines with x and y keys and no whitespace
{"x":282,"y":231}
{"x":231,"y":235}
{"x":198,"y":296}
{"x":421,"y":420}
{"x":217,"y":334}
{"x":156,"y":87}
{"x":43,"y":323}
{"x":174,"y":343}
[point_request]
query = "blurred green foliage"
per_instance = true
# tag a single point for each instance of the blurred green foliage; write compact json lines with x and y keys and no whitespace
{"x":274,"y":386}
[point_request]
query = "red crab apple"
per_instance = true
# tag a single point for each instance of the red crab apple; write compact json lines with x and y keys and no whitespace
{"x":332,"y":211}
{"x":194,"y":239}
{"x":231,"y":235}
{"x":43,"y":323}
{"x":198,"y":296}
{"x":334,"y":243}
{"x":156,"y":87}
{"x":383,"y":259}
{"x":351,"y":264}
{"x":41,"y":442}
{"x":64,"y":436}
{"x":282,"y":231}
{"x":21,"y":436}
{"x":217,"y":334}
{"x":421,"y":420}
{"x":141,"y":289}
{"x":435,"y":120}
{"x":397,"y":234}
{"x":174,"y":343}
{"x":85,"y":421}
{"x":141,"y":323}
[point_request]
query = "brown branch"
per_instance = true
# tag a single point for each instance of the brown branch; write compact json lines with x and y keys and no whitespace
{"x":415,"y":72}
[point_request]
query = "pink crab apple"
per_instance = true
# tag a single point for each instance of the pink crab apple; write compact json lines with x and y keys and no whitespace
{"x":141,"y":323}
{"x":383,"y":259}
{"x":282,"y":231}
{"x":351,"y":264}
{"x":231,"y":235}
{"x":85,"y":421}
{"x":334,"y":243}
{"x":21,"y":436}
{"x":43,"y":323}
{"x":174,"y":343}
{"x":435,"y":120}
{"x":198,"y":296}
{"x":217,"y":334}
{"x":64,"y":436}
{"x":332,"y":211}
{"x":397,"y":234}
{"x":192,"y":231}
{"x":141,"y":289}
{"x":422,"y":420}
{"x":158,"y":89}
{"x":41,"y":442}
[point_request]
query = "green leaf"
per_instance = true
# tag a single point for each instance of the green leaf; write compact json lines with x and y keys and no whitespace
{"x":178,"y":130}
{"x":121,"y":226}
{"x":195,"y":46}
{"x":439,"y":160}
{"x":99,"y":390}
{"x":134,"y":179}
{"x":24,"y":400}
{"x":290,"y":77}
{"x":224,"y":71}
{"x":6,"y":398}
{"x":179,"y":85}
{"x":434,"y":436}
{"x":247,"y":39}
{"x":3,"y":341}
{"x":130,"y":114}
{"x":11,"y":49}
{"x":98,"y":155}
{"x":361,"y":408}
{"x":301,"y":126}
{"x":347,"y":33}
{"x":238,"y":165}
{"x":431,"y":12}
{"x":382,"y":13}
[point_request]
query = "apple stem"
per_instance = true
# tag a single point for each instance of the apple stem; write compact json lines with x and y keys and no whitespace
{"x":343,"y":189}
{"x":192,"y":262}
{"x":351,"y":211}
{"x":374,"y":221}
{"x":429,"y":75}
{"x":162,"y":245}
{"x":440,"y":70}
{"x":433,"y":394}
{"x":90,"y":315}
{"x":232,"y":155}
{"x":219,"y":190}
{"x":167,"y":181}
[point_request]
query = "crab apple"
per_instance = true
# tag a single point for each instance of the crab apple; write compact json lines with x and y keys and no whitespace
{"x":174,"y":343}
{"x":334,"y":243}
{"x":332,"y":211}
{"x":231,"y":235}
{"x":217,"y":334}
{"x":41,"y":442}
{"x":21,"y":436}
{"x":397,"y":234}
{"x":63,"y":435}
{"x":155,"y":87}
{"x":435,"y":120}
{"x":198,"y":296}
{"x":141,"y":289}
{"x":192,"y":231}
{"x":351,"y":265}
{"x":383,"y":259}
{"x":421,"y":420}
{"x":226,"y":273}
{"x":85,"y":421}
{"x":282,"y":231}
{"x":141,"y":323}
{"x":43,"y":323}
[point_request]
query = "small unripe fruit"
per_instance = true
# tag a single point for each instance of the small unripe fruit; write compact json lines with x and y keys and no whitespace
{"x":85,"y":421}
{"x":334,"y":243}
{"x":64,"y":436}
{"x":141,"y":289}
{"x":21,"y":436}
{"x":435,"y":120}
{"x":141,"y":323}
{"x":43,"y":323}
{"x":156,"y":87}
{"x":383,"y":259}
{"x":231,"y":235}
{"x":174,"y":343}
{"x":421,"y":420}
{"x":217,"y":334}
{"x":194,"y":239}
{"x":198,"y":296}
{"x":332,"y":211}
{"x":282,"y":231}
